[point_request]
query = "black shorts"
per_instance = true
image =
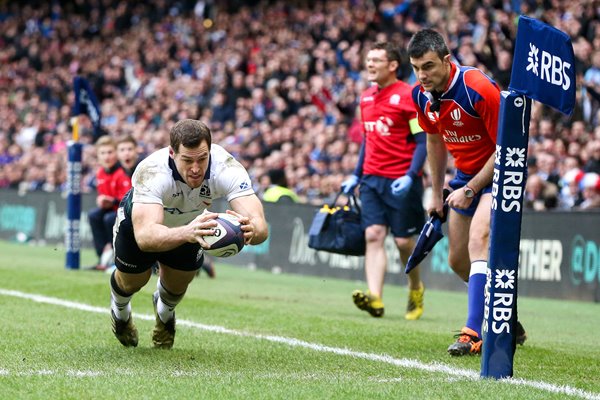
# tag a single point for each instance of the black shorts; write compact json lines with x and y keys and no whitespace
{"x":404,"y":216}
{"x":130,"y":259}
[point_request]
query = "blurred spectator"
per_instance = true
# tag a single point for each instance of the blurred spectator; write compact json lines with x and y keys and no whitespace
{"x":593,"y":163}
{"x":127,"y":154}
{"x":540,"y":195}
{"x":590,"y":187}
{"x":547,"y":167}
{"x":266,"y":74}
{"x":591,"y":88}
{"x":570,"y":195}
{"x":278,"y":188}
{"x":112,"y":185}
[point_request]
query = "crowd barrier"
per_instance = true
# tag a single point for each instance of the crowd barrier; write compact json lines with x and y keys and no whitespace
{"x":559,"y":251}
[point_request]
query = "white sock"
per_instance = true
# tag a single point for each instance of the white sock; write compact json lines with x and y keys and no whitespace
{"x":119,"y":304}
{"x":165,"y":306}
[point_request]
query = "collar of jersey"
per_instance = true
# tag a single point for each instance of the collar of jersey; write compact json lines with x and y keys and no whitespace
{"x":177,"y":175}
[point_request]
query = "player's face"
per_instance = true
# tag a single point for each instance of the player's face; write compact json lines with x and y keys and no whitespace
{"x":192,"y":163}
{"x":431,"y":71}
{"x":380,"y":69}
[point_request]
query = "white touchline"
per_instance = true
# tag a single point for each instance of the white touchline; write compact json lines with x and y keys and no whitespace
{"x":383,"y":358}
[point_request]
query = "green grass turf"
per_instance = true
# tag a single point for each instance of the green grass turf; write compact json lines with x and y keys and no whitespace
{"x":50,"y":351}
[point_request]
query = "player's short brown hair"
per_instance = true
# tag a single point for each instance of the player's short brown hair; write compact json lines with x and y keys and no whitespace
{"x":189,"y":133}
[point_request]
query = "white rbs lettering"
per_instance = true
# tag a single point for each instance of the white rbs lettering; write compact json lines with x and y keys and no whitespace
{"x":552,"y":68}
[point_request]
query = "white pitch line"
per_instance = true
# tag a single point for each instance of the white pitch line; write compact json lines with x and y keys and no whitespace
{"x":382,"y":358}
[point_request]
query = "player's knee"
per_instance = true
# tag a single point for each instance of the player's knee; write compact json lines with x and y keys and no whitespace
{"x":460,"y":264}
{"x":375,"y":234}
{"x":478,"y":242}
{"x":130,"y":283}
{"x":404,"y":244}
{"x":454,"y":260}
{"x":94,"y":215}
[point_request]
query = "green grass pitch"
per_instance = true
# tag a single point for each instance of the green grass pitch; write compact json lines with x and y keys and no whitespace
{"x":256,"y":335}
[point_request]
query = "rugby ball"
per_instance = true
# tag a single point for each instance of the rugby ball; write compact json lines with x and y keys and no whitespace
{"x":228,"y":239}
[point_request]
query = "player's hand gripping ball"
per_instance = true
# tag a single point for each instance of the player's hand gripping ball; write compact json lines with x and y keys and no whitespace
{"x":228,"y":239}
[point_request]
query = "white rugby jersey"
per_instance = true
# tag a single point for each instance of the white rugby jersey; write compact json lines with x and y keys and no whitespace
{"x":156,"y":181}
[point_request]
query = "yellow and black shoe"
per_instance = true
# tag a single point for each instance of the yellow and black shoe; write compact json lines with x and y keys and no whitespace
{"x":414,"y":308}
{"x":467,"y":343}
{"x":368,"y":302}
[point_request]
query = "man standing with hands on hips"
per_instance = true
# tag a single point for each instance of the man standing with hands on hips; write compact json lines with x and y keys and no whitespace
{"x":458,"y":107}
{"x":389,"y":170}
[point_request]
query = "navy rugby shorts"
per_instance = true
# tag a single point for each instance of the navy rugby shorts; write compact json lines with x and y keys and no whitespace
{"x":404,"y":216}
{"x":129,"y":258}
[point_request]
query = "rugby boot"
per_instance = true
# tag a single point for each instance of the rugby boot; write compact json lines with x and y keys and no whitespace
{"x":163,"y":334}
{"x":368,"y":302}
{"x":467,"y":343}
{"x":125,"y":331}
{"x":414,"y":308}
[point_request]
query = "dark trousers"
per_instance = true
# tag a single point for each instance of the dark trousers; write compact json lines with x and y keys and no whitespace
{"x":101,"y":222}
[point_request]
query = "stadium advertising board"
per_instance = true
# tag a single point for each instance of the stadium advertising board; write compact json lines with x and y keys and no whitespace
{"x":559,"y":251}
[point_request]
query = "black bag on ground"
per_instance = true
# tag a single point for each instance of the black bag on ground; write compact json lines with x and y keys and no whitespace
{"x":337,"y":229}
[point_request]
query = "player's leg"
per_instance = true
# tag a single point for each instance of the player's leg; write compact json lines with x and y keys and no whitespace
{"x":469,"y":339}
{"x":406,"y":219}
{"x":479,"y":249}
{"x":375,"y":258}
{"x":458,"y":244}
{"x":177,"y":268}
{"x":405,"y":247}
{"x":375,"y":267}
{"x":373,"y":218}
{"x":416,"y":288}
{"x":170,"y":289}
{"x":122,"y":288}
{"x":459,"y":261}
{"x":131,"y":274}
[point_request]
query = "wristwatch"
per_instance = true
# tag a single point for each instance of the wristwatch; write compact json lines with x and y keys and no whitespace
{"x":469,"y":193}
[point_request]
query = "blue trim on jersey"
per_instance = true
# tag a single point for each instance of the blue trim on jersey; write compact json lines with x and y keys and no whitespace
{"x":173,"y":167}
{"x":419,"y":98}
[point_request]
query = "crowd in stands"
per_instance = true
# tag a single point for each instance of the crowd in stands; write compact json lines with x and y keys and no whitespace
{"x":278,"y":82}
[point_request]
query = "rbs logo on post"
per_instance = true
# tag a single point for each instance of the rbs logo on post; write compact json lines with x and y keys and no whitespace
{"x":550,"y":68}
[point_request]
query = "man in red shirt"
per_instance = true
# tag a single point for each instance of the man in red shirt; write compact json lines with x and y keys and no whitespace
{"x":389,"y":170}
{"x":458,"y":108}
{"x":112,"y":183}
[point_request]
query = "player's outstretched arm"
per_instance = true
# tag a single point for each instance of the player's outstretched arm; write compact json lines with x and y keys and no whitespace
{"x":250,"y":211}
